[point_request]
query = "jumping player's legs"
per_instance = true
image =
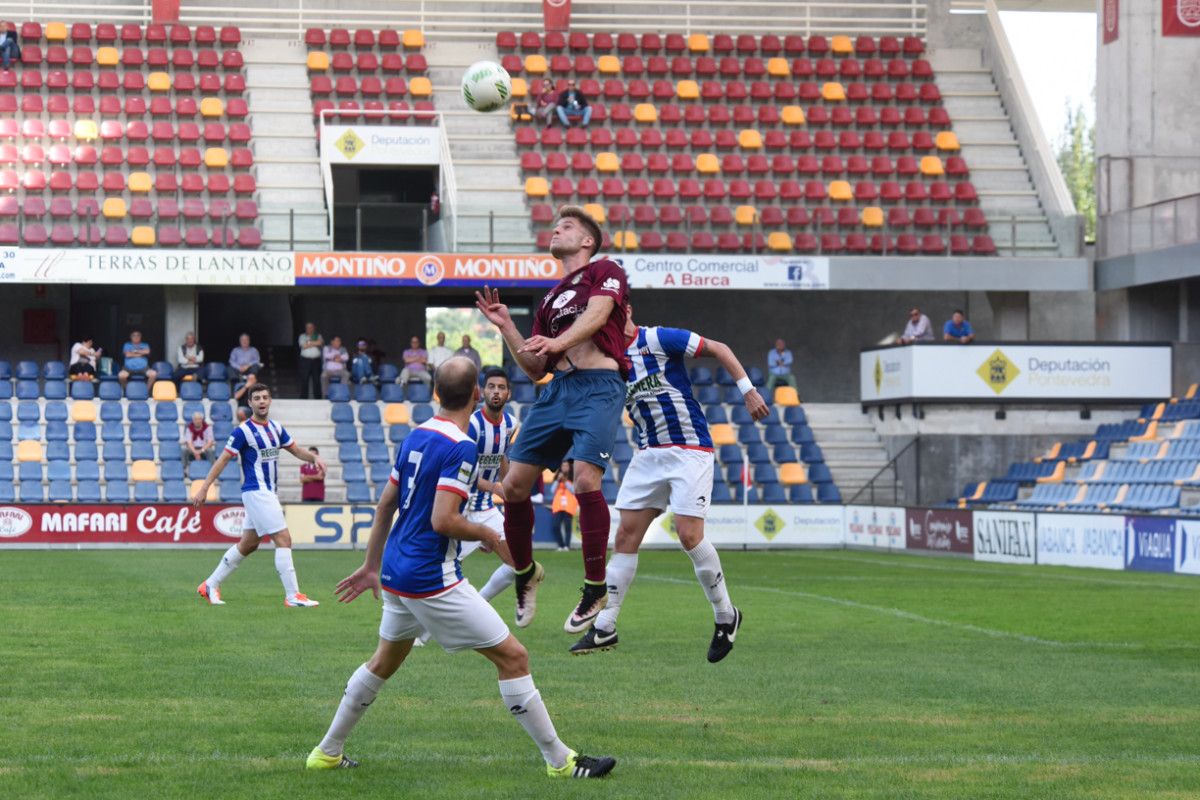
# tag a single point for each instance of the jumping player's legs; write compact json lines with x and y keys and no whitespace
{"x":622,"y":567}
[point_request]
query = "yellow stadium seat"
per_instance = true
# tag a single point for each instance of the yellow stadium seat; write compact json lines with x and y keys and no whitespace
{"x":212,"y":107}
{"x":536,"y":187}
{"x":607,"y":162}
{"x":841,"y":45}
{"x":707,"y":164}
{"x":143,"y":236}
{"x":697,"y":43}
{"x":395,"y":414}
{"x":518,"y":113}
{"x":946,"y":140}
{"x":595,"y":211}
{"x":86,"y":130}
{"x":213,"y":493}
{"x":625,"y":240}
{"x":792,"y":474}
{"x":420,"y":86}
{"x":792,"y":115}
{"x":318,"y":61}
{"x":779,"y":242}
{"x":608,"y":65}
{"x":750,"y":139}
{"x":779,"y":68}
{"x":932,"y":165}
{"x":1191,"y":392}
{"x":786,"y":395}
{"x":840,"y":190}
{"x":687,"y":90}
{"x":164,"y":391}
{"x":722,"y":433}
{"x":547,"y":476}
{"x":413,"y":39}
{"x":108,"y":57}
{"x":216,"y":157}
{"x":1150,"y":434}
{"x":1057,"y":475}
{"x":626,"y":420}
{"x":83,"y":411}
{"x":158,"y":82}
{"x":140,"y":182}
{"x":645,"y":112}
{"x":980,"y":488}
{"x":535,"y":64}
{"x":113,"y":208}
{"x":519,"y":88}
{"x":143,"y":470}
{"x":56,"y":32}
{"x":872,"y":217}
{"x":745,"y":215}
{"x":833,"y":91}
{"x":29,"y":450}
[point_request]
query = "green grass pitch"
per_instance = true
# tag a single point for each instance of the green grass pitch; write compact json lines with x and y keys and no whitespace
{"x":855,"y":675}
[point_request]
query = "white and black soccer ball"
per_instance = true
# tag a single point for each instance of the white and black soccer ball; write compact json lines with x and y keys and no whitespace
{"x":486,"y":86}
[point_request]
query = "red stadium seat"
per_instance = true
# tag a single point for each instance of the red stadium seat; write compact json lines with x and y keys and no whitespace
{"x":805,"y":243}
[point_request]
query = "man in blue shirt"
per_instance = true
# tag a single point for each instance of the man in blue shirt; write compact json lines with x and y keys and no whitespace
{"x":779,"y":367}
{"x":137,"y":360}
{"x":417,"y":566}
{"x":957,"y":329}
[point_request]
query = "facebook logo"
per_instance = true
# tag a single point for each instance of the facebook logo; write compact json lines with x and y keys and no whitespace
{"x":797,"y":272}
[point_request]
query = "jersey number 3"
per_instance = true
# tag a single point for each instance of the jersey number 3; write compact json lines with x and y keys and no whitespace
{"x":414,"y":458}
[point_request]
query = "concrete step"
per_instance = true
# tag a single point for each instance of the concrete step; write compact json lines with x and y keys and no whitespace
{"x":267,"y":51}
{"x":288,"y":125}
{"x":299,"y":176}
{"x":951,"y":58}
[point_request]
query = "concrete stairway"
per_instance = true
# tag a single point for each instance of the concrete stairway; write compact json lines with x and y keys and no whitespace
{"x":308,"y":423}
{"x":998,"y":167}
{"x":853,"y":450}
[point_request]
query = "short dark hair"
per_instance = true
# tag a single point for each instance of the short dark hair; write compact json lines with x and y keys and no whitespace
{"x":258,"y":388}
{"x":494,"y":372}
{"x":314,"y":450}
{"x":455,"y":384}
{"x":957,"y":311}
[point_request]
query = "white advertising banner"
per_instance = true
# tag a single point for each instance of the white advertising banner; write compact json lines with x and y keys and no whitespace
{"x":1001,"y":372}
{"x":1187,"y":550}
{"x":1081,"y":540}
{"x":697,"y":271}
{"x":1004,"y":536}
{"x":149,"y":266}
{"x":380,"y":144}
{"x":877,"y":527}
{"x":756,"y":526}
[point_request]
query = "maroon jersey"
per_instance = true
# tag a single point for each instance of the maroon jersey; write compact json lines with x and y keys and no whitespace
{"x":567,"y":301}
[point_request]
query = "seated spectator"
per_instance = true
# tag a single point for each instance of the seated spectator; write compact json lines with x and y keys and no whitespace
{"x":336,"y":358}
{"x":10,"y":46}
{"x":362,"y":366}
{"x":439,"y":354}
{"x":779,"y":367}
{"x":243,"y":414}
{"x":547,"y":105}
{"x":244,"y":359}
{"x":198,"y":444}
{"x":416,"y":364}
{"x":190,"y":358}
{"x":83,"y":360}
{"x":241,"y":392}
{"x":469,"y":352}
{"x":312,"y":480}
{"x":957,"y":329}
{"x":917,"y":329}
{"x":573,"y":107}
{"x":137,"y":360}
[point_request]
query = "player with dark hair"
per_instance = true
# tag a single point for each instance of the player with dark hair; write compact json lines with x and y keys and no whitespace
{"x":578,"y":334}
{"x":258,"y":441}
{"x":417,"y":566}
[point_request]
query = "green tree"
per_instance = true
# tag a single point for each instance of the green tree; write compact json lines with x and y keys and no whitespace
{"x":1075,"y":151}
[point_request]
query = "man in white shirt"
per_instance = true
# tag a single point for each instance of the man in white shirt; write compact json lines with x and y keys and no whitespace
{"x":310,"y":344}
{"x":336,"y":359}
{"x":190,"y":357}
{"x":440,"y":354}
{"x":917,"y":329}
{"x":83,"y":360}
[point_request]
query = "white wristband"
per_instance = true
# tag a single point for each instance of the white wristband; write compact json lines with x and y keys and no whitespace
{"x":745,"y":386}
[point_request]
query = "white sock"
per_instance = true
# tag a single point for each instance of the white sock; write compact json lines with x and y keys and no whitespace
{"x":501,"y":579}
{"x":522,"y":699}
{"x":360,"y":692}
{"x":286,"y":570}
{"x":712,"y":580}
{"x":620,"y":571}
{"x":225,"y":567}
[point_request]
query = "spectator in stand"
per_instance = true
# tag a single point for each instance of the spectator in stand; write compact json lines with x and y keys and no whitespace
{"x":439,"y":354}
{"x":779,"y":367}
{"x":83,"y":360}
{"x":336,"y":358}
{"x":416,"y":364}
{"x":469,"y":352}
{"x":137,"y":360}
{"x":312,"y":480}
{"x":573,"y":106}
{"x":957,"y":329}
{"x":241,"y":392}
{"x":362,"y":366}
{"x":10,"y":46}
{"x":564,"y":506}
{"x":190,"y":358}
{"x":917,"y":329}
{"x":198,"y":443}
{"x":244,"y":359}
{"x":547,"y":105}
{"x":310,"y":344}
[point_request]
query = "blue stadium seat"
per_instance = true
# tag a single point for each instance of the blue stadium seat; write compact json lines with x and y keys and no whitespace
{"x":771,"y":420}
{"x":218,"y":391}
{"x":191,"y":391}
{"x":54,"y":371}
{"x":819,"y":473}
{"x":55,"y":390}
{"x":418,"y":393}
{"x":701,"y":376}
{"x":358,"y":493}
{"x":60,"y":492}
{"x":170,"y":451}
{"x":164,"y":370}
{"x":774,"y":493}
{"x":28,"y":430}
{"x":30,"y":471}
{"x":138,"y":411}
{"x":141,"y":451}
{"x":145,"y":492}
{"x":622,"y":453}
{"x":82,"y":390}
{"x":353,"y":472}
{"x":6,"y":431}
{"x":57,"y":432}
{"x":366,"y":393}
{"x":85,"y":451}
{"x":784,"y":454}
{"x":214,"y":371}
{"x":764,"y":474}
{"x":190,"y":408}
{"x":87,"y":492}
{"x":115,"y":471}
{"x":732,"y":396}
{"x":756,"y":377}
{"x":368,"y":414}
{"x":111,"y":411}
{"x":740,"y":416}
{"x":58,"y":452}
{"x":87,"y":471}
{"x":716,"y":415}
{"x":758,"y":454}
{"x":7,"y":493}
{"x":198,"y":470}
{"x":349,"y":452}
{"x":730,"y":454}
{"x":28,"y":411}
{"x":751,"y":494}
{"x":110,"y":390}
{"x":378,"y":452}
{"x":6,"y":371}
{"x":338,"y":393}
{"x":748,"y":434}
{"x":801,"y":493}
{"x":166,"y":412}
{"x":166,"y":432}
{"x":776,"y":435}
{"x":720,"y":492}
{"x":794,"y":415}
{"x":341,"y":413}
{"x":58,"y":471}
{"x":136,"y":390}
{"x":6,"y":390}
{"x":381,"y":471}
{"x":708,"y":396}
{"x":174,"y":493}
{"x":345,"y":432}
{"x":31,"y":492}
{"x":828,"y":493}
{"x":6,"y":471}
{"x":398,"y":433}
{"x":724,"y":378}
{"x":84,"y":431}
{"x":114,"y":450}
{"x":231,"y":491}
{"x":171,"y":471}
{"x":140,"y":432}
{"x":421,"y":413}
{"x":733,"y":472}
{"x":388,"y":373}
{"x":6,"y":412}
{"x":221,"y":430}
{"x":372,"y":433}
{"x":116,"y":491}
{"x":392,"y":393}
{"x":812,"y":454}
{"x":220,"y":412}
{"x":27,"y":371}
{"x":802,"y":434}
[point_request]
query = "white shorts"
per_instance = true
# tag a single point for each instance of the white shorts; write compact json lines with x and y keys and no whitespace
{"x":489,"y":517}
{"x":459,"y":619}
{"x":264,"y":515}
{"x":677,"y":478}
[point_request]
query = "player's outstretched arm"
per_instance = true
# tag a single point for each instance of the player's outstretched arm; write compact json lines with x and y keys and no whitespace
{"x":367,"y":576}
{"x":202,"y":493}
{"x":488,"y":303}
{"x":725,"y":357}
{"x":591,"y":320}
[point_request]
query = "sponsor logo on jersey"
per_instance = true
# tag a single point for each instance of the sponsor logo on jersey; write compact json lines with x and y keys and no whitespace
{"x":611,"y":285}
{"x":490,"y":461}
{"x":564,"y":298}
{"x":268,"y":454}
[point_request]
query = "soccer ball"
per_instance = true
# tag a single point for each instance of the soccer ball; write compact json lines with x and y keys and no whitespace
{"x":486,"y":86}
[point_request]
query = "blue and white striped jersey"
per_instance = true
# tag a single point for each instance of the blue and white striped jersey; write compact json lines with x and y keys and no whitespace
{"x":659,"y":392}
{"x":492,"y":438}
{"x":259,"y":446}
{"x":417,"y":560}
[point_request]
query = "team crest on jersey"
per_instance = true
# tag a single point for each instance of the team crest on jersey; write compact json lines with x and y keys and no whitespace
{"x":578,"y":277}
{"x":564,"y":298}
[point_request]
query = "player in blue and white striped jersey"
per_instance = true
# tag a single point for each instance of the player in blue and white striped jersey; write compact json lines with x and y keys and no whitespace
{"x":258,"y":441}
{"x":672,"y":468}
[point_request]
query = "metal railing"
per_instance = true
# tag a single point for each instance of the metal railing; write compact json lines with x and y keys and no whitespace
{"x":1167,"y":223}
{"x":389,"y":216}
{"x":874,"y":495}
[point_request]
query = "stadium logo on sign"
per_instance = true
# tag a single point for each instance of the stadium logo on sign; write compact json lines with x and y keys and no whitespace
{"x":430,"y":270}
{"x":1188,"y":12}
{"x":998,"y":371}
{"x":349,"y":145}
{"x":14,"y":522}
{"x":878,"y":375}
{"x":769,"y":524}
{"x":229,"y":522}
